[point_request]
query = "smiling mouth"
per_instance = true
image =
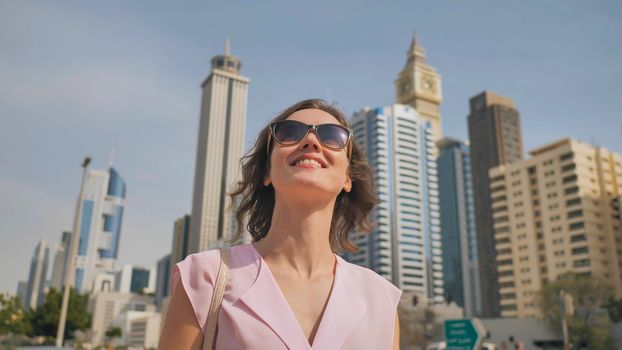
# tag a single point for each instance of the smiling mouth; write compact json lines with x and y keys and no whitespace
{"x":307,"y":163}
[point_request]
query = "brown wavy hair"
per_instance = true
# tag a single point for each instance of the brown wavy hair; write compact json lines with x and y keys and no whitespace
{"x":257,"y":200}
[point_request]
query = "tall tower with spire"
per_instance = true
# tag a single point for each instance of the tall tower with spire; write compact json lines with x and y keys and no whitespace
{"x":419,"y":85}
{"x":220,"y":146}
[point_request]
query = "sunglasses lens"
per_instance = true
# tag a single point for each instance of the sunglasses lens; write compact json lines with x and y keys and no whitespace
{"x":288,"y":132}
{"x":332,"y":135}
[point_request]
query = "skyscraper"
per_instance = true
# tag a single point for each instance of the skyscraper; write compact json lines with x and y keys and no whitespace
{"x":36,"y":278}
{"x":61,"y":257}
{"x":460,"y":265}
{"x":419,"y":85}
{"x":555,"y":213}
{"x":22,"y":289}
{"x":496,"y":139}
{"x":181,"y":236}
{"x":219,"y":149}
{"x":103,"y":201}
{"x":163,"y":270}
{"x":405,"y":245}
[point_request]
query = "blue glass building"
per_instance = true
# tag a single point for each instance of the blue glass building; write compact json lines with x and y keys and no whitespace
{"x":101,"y":217}
{"x":460,"y":262}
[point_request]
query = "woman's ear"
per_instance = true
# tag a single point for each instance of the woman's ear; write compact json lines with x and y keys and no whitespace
{"x":267,"y":181}
{"x":347,"y":185}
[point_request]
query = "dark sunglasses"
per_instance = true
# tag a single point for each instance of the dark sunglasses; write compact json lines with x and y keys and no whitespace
{"x":290,"y":132}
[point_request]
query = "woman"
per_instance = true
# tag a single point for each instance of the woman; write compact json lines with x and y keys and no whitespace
{"x":305,"y":185}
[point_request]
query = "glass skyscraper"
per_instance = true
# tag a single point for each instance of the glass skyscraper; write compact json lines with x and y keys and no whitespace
{"x":405,"y":245}
{"x":103,"y":201}
{"x":460,"y":262}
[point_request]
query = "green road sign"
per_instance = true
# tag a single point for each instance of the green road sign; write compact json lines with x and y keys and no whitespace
{"x":464,"y":334}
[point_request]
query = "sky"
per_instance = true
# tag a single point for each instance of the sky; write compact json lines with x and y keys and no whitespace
{"x":85,"y":78}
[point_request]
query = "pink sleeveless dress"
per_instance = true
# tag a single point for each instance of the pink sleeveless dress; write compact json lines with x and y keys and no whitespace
{"x":360,"y":313}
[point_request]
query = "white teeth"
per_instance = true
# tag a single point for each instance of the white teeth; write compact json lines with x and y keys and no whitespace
{"x":309,"y":161}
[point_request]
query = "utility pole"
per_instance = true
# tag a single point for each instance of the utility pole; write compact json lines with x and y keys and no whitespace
{"x":71,"y":266}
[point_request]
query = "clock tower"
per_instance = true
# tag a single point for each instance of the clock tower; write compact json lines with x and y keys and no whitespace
{"x":419,"y":85}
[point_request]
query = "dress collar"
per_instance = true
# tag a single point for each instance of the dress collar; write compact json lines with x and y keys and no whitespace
{"x":343,"y":311}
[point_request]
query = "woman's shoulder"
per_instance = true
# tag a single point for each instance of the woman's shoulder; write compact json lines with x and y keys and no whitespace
{"x":198,"y":272}
{"x":204,"y":265}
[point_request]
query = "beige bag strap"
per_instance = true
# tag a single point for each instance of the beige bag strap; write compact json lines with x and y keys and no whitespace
{"x":214,"y":308}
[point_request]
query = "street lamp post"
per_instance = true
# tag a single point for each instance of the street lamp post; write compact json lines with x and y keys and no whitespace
{"x":71,"y":266}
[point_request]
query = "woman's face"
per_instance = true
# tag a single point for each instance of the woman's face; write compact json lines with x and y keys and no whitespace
{"x":325,"y":175}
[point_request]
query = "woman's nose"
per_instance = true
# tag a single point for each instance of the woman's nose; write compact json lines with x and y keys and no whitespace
{"x":311,"y":140}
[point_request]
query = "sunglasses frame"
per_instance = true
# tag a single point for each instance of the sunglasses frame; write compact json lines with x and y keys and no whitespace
{"x":309,"y":128}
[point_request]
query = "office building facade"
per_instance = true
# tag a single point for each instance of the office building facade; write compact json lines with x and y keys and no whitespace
{"x":219,"y":148}
{"x":405,"y":245}
{"x":101,"y":217}
{"x":495,"y":139}
{"x":35,"y":290}
{"x":459,"y":240}
{"x":555,"y":213}
{"x":135,"y":279}
{"x":59,"y":268}
{"x":181,"y":238}
{"x":163,"y":277}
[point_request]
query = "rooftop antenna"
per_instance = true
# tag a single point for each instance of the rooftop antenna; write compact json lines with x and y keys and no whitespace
{"x":111,"y":157}
{"x":228,"y":46}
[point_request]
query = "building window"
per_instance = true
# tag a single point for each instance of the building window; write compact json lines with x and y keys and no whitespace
{"x":565,"y":156}
{"x":581,"y":263}
{"x":571,"y":190}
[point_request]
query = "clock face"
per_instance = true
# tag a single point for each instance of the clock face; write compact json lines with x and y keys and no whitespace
{"x":405,"y":87}
{"x":428,"y":84}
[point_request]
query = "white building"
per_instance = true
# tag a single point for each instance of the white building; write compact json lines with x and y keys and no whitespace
{"x":35,"y":294}
{"x":219,"y":148}
{"x":139,"y":329}
{"x":59,"y":269}
{"x":134,"y":279}
{"x":103,"y":201}
{"x":107,"y":308}
{"x":405,"y":245}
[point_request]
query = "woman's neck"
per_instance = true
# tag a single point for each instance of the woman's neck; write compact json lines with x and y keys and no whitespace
{"x":298,"y":240}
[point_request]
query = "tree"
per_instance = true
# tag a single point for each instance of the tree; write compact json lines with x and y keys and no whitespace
{"x":615,"y":310}
{"x":44,"y":319}
{"x":590,"y":324}
{"x":111,"y":334}
{"x":13,"y":319}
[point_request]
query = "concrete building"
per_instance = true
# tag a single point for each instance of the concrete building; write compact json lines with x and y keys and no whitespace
{"x":59,"y":269}
{"x":35,"y":294}
{"x":511,"y":333}
{"x":419,"y":85}
{"x":181,"y":237}
{"x":405,"y":245}
{"x":103,"y":201}
{"x":139,"y":329}
{"x":163,"y":277}
{"x":459,"y":238}
{"x":22,"y":287}
{"x":107,"y":307}
{"x":554,"y":213}
{"x":219,"y":148}
{"x":495,"y":139}
{"x":135,"y":279}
